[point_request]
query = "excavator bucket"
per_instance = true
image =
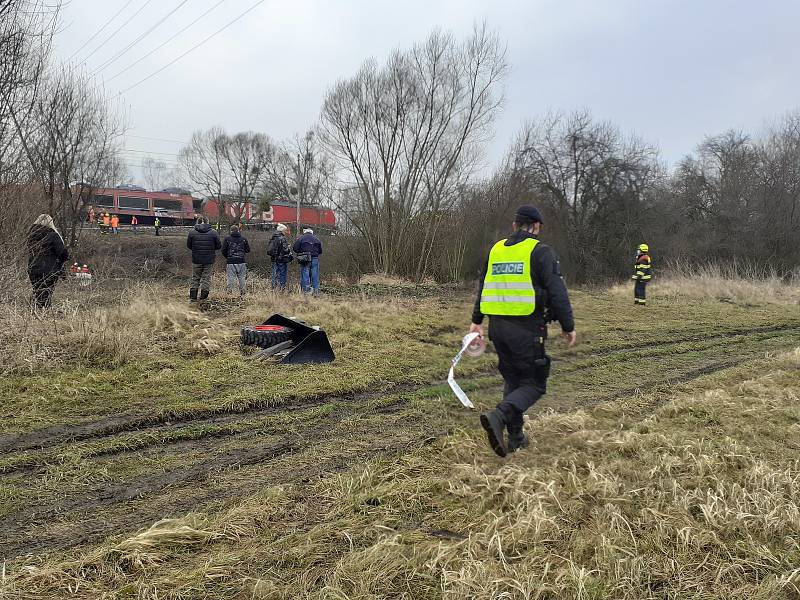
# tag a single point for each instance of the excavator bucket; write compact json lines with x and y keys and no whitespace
{"x":309,"y":345}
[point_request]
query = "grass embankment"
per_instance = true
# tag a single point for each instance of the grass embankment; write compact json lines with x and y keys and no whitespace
{"x":177,"y":429}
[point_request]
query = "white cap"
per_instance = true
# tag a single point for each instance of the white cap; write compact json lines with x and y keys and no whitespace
{"x":282,"y":227}
{"x":308,"y":230}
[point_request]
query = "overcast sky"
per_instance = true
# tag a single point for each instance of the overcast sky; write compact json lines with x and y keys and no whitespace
{"x":671,"y":71}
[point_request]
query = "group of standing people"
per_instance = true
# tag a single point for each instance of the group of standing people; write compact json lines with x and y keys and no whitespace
{"x":204,"y":243}
{"x":306,"y":249}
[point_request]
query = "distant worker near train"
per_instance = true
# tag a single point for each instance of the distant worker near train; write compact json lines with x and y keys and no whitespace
{"x":642,"y":274}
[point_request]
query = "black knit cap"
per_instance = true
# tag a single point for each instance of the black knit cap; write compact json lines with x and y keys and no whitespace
{"x":528,"y":212}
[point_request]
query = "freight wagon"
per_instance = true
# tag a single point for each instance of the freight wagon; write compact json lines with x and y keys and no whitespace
{"x":279,"y":212}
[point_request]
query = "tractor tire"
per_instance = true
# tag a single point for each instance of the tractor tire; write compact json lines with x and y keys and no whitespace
{"x":265,"y":339}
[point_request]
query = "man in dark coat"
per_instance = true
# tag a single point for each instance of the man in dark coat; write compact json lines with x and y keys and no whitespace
{"x":281,"y":255}
{"x":308,"y":249}
{"x":46,"y":257}
{"x":204,"y":242}
{"x":235,"y":249}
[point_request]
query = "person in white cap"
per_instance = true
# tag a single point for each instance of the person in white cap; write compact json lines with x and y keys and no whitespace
{"x":281,"y":255}
{"x":308,"y":249}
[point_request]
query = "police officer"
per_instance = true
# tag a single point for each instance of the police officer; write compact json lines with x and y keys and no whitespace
{"x":521,"y":281}
{"x":642,"y":274}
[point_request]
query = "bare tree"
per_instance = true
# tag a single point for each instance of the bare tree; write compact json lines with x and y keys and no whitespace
{"x":76,"y":136}
{"x":26,"y":32}
{"x":406,"y":136}
{"x":202,"y":161}
{"x":593,"y":184}
{"x":246,"y":156}
{"x":299,"y":170}
{"x":157,"y":175}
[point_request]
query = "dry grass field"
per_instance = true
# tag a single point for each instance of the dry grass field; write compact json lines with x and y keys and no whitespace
{"x":141,"y":455}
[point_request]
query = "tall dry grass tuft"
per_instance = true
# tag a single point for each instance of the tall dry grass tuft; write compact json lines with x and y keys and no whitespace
{"x":737,"y":283}
{"x":103,"y":325}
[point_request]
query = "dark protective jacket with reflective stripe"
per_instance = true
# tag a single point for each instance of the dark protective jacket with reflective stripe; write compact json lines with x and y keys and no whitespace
{"x":551,"y":291}
{"x":643,"y":268}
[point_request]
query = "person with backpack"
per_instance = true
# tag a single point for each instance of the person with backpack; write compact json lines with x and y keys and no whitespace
{"x":235,"y":249}
{"x":281,"y":255}
{"x":204,"y":242}
{"x":308,"y":249}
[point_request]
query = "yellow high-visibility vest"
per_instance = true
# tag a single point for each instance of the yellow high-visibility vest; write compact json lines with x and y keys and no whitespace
{"x":507,"y":287}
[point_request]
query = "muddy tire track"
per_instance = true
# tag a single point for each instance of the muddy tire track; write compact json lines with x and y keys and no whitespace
{"x":113,"y":425}
{"x":20,"y":528}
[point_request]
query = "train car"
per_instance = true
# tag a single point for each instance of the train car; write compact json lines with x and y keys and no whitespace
{"x":173,"y":205}
{"x":279,"y":212}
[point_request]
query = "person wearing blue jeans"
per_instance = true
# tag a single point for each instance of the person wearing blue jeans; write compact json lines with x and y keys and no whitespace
{"x":308,"y":249}
{"x":309,"y":276}
{"x":281,"y":255}
{"x":280,"y":273}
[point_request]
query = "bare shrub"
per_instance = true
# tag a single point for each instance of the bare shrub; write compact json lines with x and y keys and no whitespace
{"x":728,"y":282}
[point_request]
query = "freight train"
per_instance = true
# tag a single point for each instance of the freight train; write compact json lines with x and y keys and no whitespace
{"x":176,"y":206}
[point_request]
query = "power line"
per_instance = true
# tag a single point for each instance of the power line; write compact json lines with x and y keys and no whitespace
{"x":96,"y":33}
{"x":144,"y":137}
{"x":117,"y":30}
{"x":150,"y":152}
{"x":157,"y":48}
{"x":106,"y":64}
{"x":195,"y":47}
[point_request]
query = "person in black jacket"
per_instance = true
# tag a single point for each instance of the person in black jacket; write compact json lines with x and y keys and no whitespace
{"x":46,"y":257}
{"x":308,"y":249}
{"x":235,"y":249}
{"x":281,"y":255}
{"x":517,"y":280}
{"x":204,"y":243}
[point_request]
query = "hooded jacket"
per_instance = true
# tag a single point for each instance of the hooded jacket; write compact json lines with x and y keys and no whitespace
{"x":204,"y":243}
{"x":235,"y":248}
{"x":46,"y":251}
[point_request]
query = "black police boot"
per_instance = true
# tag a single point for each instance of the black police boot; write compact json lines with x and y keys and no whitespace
{"x":495,"y":425}
{"x":516,"y":437}
{"x":517,"y":440}
{"x":192,"y":295}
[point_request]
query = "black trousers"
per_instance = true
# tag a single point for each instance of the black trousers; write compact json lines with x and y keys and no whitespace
{"x":523,"y":364}
{"x":43,"y":286}
{"x":640,"y":292}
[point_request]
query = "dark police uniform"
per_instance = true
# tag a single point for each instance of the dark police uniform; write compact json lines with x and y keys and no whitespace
{"x":521,"y":271}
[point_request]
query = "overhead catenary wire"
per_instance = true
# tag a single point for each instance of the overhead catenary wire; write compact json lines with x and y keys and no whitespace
{"x":157,"y":48}
{"x":99,"y":31}
{"x":150,"y":152}
{"x":193,"y":48}
{"x":145,"y":137}
{"x":152,"y":28}
{"x":116,"y":31}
